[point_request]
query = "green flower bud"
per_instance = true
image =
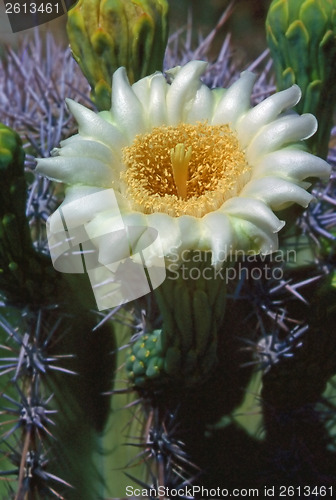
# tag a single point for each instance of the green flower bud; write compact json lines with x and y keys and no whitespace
{"x":301,"y":35}
{"x":107,"y":34}
{"x":144,"y":361}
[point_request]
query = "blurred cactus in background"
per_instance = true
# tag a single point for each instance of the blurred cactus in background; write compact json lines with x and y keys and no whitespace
{"x":207,"y":385}
{"x":105,"y":35}
{"x":302,"y":38}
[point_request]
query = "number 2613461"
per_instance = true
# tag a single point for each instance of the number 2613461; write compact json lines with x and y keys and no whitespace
{"x":32,"y":8}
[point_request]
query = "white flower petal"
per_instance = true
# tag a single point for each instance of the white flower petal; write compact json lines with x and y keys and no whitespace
{"x":82,"y":204}
{"x":113,"y":244}
{"x":292,"y":164}
{"x":141,"y":89}
{"x":169,"y":231}
{"x":265,"y":112}
{"x":253,"y":238}
{"x":235,"y":101}
{"x":78,"y":170}
{"x":254,"y":211}
{"x":189,"y":228}
{"x":286,"y":130}
{"x":90,"y":149}
{"x":157,"y":100}
{"x":93,"y":126}
{"x":182,"y":91}
{"x":126,"y":108}
{"x":277,"y":193}
{"x":202,"y":106}
{"x":220,"y":235}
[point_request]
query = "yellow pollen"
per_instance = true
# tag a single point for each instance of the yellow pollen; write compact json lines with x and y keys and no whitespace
{"x":180,"y":162}
{"x":184,"y":170}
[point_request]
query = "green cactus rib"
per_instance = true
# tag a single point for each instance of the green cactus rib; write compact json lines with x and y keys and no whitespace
{"x":107,"y":34}
{"x":301,"y":35}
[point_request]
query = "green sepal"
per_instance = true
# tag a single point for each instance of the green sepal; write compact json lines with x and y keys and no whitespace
{"x":288,"y":77}
{"x":311,"y":14}
{"x":277,"y":18}
{"x":298,"y":39}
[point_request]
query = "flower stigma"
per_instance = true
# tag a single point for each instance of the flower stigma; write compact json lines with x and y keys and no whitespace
{"x":180,"y":164}
{"x":188,"y":169}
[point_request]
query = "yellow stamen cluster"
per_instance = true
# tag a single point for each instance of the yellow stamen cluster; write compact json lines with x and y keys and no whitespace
{"x":184,"y":170}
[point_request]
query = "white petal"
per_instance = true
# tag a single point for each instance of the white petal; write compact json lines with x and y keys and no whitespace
{"x":143,"y":236}
{"x":190,"y":229}
{"x":253,"y":238}
{"x":221,"y":237}
{"x":90,"y":149}
{"x":169,"y":231}
{"x":113,"y":245}
{"x":157,"y":100}
{"x":202,"y":107}
{"x":265,"y":112}
{"x":286,"y":130}
{"x":276,"y":193}
{"x":85,"y":202}
{"x":93,"y":126}
{"x":182,"y":91}
{"x":126,"y":107}
{"x":77,"y":171}
{"x":254,"y":211}
{"x":235,"y":101}
{"x":292,"y":164}
{"x":141,"y":89}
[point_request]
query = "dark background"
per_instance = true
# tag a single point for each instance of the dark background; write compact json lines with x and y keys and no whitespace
{"x":246,"y":23}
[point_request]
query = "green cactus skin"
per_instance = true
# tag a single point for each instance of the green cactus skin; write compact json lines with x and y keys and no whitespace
{"x":301,"y":35}
{"x":107,"y":34}
{"x":192,"y":312}
{"x":22,"y":270}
